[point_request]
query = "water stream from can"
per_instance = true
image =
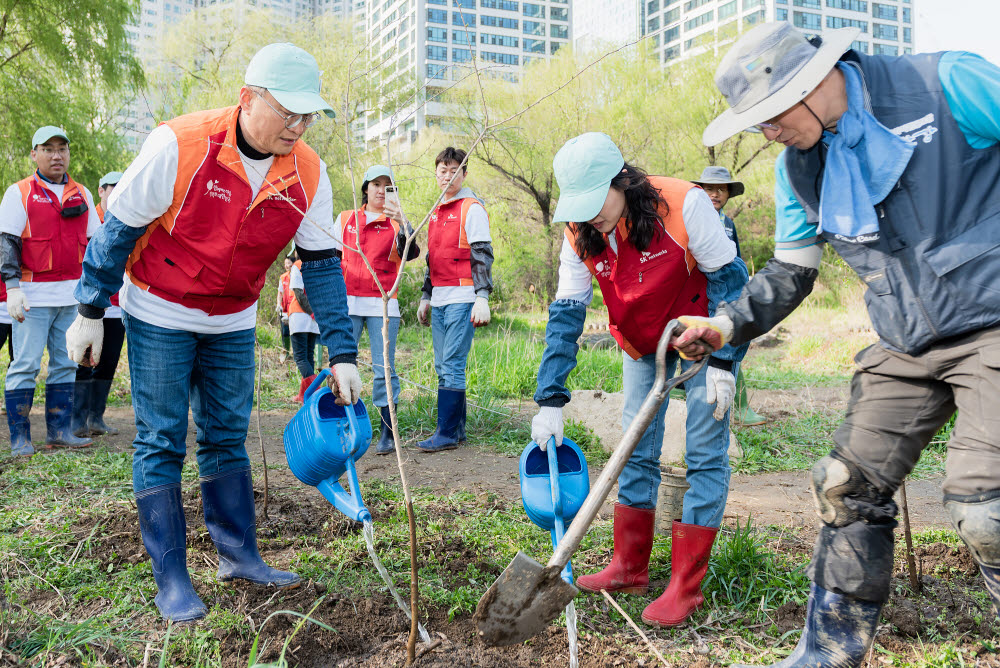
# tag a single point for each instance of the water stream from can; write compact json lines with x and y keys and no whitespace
{"x":369,"y":534}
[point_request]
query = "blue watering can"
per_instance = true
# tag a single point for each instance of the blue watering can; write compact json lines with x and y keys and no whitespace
{"x":324,"y":440}
{"x":554,"y":484}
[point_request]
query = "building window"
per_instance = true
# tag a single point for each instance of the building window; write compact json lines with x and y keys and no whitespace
{"x":671,"y":16}
{"x":463,"y":19}
{"x":885,"y":50}
{"x":656,"y":41}
{"x":727,"y":10}
{"x":464,"y":4}
{"x":671,"y":52}
{"x":461,"y":55}
{"x":534,"y":11}
{"x":754,"y":18}
{"x":533,"y":45}
{"x":780,"y":14}
{"x":429,"y":2}
{"x":555,"y":46}
{"x":436,"y":71}
{"x":534,"y":28}
{"x":884,"y":12}
{"x":883,"y":31}
{"x":861,"y":47}
{"x":437,"y":16}
{"x":671,"y":34}
{"x":562,"y":32}
{"x":437,"y":53}
{"x":502,"y":58}
{"x":437,"y":35}
{"x":747,"y":4}
{"x":699,"y":20}
{"x":807,"y":20}
{"x":851,"y":5}
{"x":694,"y":4}
{"x":654,"y":24}
{"x":498,"y":22}
{"x":906,"y":15}
{"x":463,"y":37}
{"x":908,"y":35}
{"x":506,"y":5}
{"x":839,"y":22}
{"x":652,"y":6}
{"x":811,"y":4}
{"x":499,"y":40}
{"x":558,"y":14}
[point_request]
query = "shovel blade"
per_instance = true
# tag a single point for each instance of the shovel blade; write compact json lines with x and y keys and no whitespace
{"x":522,"y":602}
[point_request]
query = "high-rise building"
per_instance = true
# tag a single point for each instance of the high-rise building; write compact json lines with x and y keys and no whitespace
{"x":680,"y":28}
{"x":598,"y":23}
{"x":432,"y":43}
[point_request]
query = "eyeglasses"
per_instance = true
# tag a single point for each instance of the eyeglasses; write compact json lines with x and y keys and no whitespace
{"x":760,"y":127}
{"x":291,"y":120}
{"x":50,"y":150}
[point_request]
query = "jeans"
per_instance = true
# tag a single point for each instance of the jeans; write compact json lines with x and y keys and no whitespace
{"x":303,"y":352}
{"x":114,"y":337}
{"x":451,"y":330}
{"x":374,"y":326}
{"x":172,"y":370}
{"x":707,"y":451}
{"x":43,"y":326}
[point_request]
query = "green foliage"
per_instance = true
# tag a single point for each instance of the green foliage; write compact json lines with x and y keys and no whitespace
{"x":65,"y":64}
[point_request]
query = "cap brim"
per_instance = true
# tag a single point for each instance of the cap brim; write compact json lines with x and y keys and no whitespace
{"x":301,"y":102}
{"x":581,"y":208}
{"x":835,"y":44}
{"x":735,"y":187}
{"x":45,"y":138}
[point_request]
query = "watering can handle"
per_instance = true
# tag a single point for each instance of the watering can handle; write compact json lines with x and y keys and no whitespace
{"x":599,"y":492}
{"x":554,"y":477}
{"x":352,"y":428}
{"x":320,"y":377}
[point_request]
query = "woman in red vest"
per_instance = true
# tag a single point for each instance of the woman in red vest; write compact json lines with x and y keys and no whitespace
{"x":656,"y":248}
{"x":284,"y":290}
{"x":379,"y":231}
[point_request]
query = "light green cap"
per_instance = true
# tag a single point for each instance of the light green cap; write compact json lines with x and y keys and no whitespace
{"x":376,"y":171}
{"x":46,"y":133}
{"x":110,"y":179}
{"x":292,"y":76}
{"x":584,"y":167}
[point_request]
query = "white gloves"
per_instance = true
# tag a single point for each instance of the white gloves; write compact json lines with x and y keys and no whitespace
{"x":424,"y":313}
{"x":481,"y":312}
{"x":346,"y":383}
{"x":17,"y":303}
{"x":547,"y":423}
{"x":83,"y":335}
{"x":720,"y":388}
{"x":702,"y":336}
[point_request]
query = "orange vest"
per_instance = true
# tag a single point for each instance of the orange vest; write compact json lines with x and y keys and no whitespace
{"x":212,"y":248}
{"x":645,"y":290}
{"x":284,"y":288}
{"x":448,"y":251}
{"x":293,"y":301}
{"x":378,"y":242}
{"x":52,"y":246}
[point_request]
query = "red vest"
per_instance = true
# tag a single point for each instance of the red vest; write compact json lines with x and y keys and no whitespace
{"x":293,"y":301}
{"x":212,"y":248}
{"x":284,"y":290}
{"x":448,"y":254}
{"x":52,"y":246}
{"x":378,"y":242}
{"x":100,"y":214}
{"x":644,"y":291}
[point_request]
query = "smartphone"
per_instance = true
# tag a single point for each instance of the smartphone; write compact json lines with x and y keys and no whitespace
{"x":392,"y":195}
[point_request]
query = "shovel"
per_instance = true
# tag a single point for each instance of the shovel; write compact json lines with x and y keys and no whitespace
{"x":527,"y":596}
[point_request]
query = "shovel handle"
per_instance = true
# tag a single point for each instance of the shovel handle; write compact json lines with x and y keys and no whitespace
{"x":661,"y":388}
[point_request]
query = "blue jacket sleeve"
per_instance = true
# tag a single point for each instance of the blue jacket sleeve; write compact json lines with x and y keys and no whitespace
{"x":104,"y":265}
{"x":725,"y":285}
{"x":566,"y":318}
{"x":324,"y":282}
{"x":971,"y":85}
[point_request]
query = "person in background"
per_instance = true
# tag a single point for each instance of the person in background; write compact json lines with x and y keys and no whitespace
{"x":657,"y":251}
{"x":720,"y":186}
{"x":93,"y":384}
{"x":456,"y":290}
{"x":201,"y":214}
{"x":379,"y":230}
{"x":302,"y":326}
{"x":284,"y":299}
{"x":5,"y":332}
{"x":45,"y":221}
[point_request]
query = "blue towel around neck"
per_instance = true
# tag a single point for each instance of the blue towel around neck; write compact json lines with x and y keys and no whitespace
{"x":864,"y":162}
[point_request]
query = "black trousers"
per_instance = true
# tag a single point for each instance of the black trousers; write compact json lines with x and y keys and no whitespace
{"x":114,"y":337}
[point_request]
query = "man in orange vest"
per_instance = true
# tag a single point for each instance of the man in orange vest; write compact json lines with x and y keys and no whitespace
{"x":456,"y":291}
{"x":45,"y":221}
{"x":93,"y":384}
{"x":199,"y":216}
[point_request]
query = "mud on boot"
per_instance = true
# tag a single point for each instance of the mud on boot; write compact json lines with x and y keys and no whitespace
{"x":58,"y":417}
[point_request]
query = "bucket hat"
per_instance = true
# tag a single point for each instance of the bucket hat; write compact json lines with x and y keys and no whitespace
{"x":291,"y":75}
{"x":718,"y":176}
{"x":769,"y":70}
{"x":584,"y":168}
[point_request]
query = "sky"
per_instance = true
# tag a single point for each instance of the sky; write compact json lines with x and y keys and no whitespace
{"x":968,"y":25}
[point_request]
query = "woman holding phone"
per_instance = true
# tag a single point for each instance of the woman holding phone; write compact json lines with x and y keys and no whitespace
{"x":378,"y":229}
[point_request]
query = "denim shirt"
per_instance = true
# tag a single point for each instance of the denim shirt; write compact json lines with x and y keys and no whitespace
{"x":565,"y":326}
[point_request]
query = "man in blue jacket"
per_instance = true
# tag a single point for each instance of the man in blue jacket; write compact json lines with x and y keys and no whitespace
{"x":895,"y":163}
